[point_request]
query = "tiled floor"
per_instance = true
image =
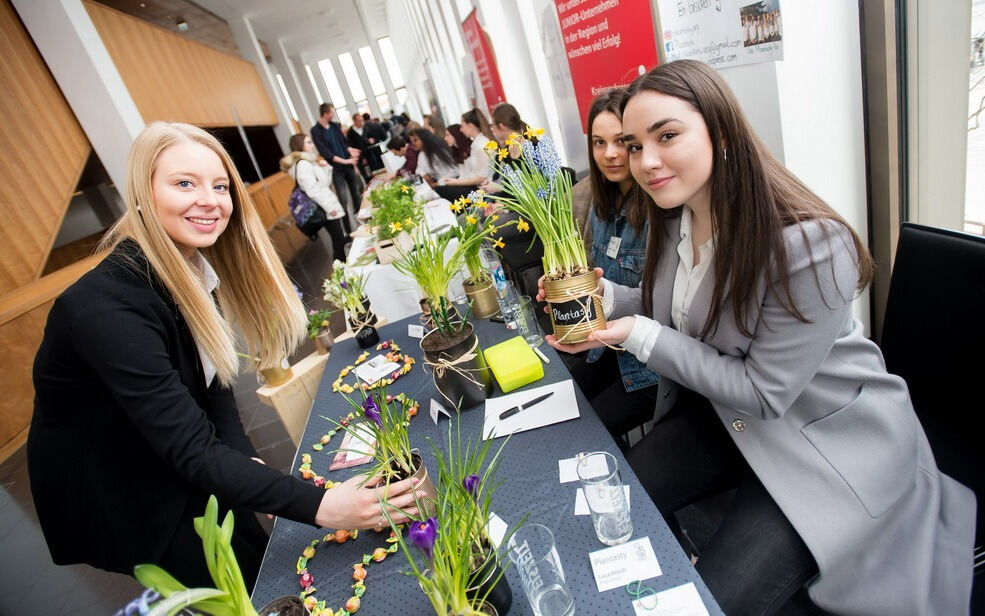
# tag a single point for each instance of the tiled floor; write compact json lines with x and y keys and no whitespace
{"x":31,"y":584}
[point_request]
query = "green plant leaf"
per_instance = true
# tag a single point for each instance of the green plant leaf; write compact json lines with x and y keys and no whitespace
{"x":158,"y":579}
{"x":184,"y":598}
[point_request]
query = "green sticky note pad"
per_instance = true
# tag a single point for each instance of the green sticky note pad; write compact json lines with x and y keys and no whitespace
{"x":513,"y":363}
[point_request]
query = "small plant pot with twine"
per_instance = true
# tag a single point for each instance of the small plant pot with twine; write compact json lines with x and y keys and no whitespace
{"x":363,"y":326}
{"x":425,"y":494}
{"x":483,"y":298}
{"x":576,"y":307}
{"x":490,"y":584}
{"x":324,"y":341}
{"x":461,"y":374}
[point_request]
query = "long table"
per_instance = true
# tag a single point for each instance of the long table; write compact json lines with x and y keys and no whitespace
{"x":529,"y":472}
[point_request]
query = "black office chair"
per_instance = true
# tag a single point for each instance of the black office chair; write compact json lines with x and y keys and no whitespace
{"x":933,"y":336}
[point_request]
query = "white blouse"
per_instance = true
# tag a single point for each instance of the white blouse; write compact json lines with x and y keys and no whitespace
{"x":437,"y":170}
{"x":477,"y":164}
{"x":211,"y":282}
{"x":686,"y":283}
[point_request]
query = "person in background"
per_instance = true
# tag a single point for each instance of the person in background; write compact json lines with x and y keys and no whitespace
{"x":133,"y":379}
{"x":401,"y":147}
{"x":360,"y":137}
{"x":460,"y":144}
{"x":314,"y":176}
{"x":476,"y":168}
{"x":435,"y":124}
{"x":331,"y":144}
{"x":376,"y":135}
{"x":435,"y":161}
{"x":506,"y":121}
{"x":618,"y":227}
{"x":768,"y":384}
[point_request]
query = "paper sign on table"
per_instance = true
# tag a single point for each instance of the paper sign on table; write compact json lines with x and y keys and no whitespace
{"x":415,"y":331}
{"x":562,"y":406}
{"x":682,"y":600}
{"x":354,"y":451}
{"x":621,"y":564}
{"x":581,"y":503}
{"x":436,"y":408}
{"x":375,"y":369}
{"x":568,"y":468}
{"x":497,"y":529}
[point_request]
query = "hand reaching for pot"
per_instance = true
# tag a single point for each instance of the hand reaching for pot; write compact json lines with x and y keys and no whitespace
{"x":614,"y":334}
{"x":356,"y":504}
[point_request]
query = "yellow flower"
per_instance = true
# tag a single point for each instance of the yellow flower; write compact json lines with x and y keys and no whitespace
{"x":513,"y":139}
{"x":495,"y":217}
{"x":491,"y":146}
{"x":499,"y":243}
{"x":396,"y":226}
{"x":522,"y":225}
{"x":409,"y":222}
{"x":480,"y":192}
{"x":529,"y":133}
{"x":404,"y":188}
{"x":471,"y":219}
{"x":503,"y":153}
{"x":539,"y":132}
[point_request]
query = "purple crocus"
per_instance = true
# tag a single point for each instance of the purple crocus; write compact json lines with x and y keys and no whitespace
{"x":423,"y":534}
{"x":372,"y":412}
{"x":343,"y":284}
{"x":471,"y":484}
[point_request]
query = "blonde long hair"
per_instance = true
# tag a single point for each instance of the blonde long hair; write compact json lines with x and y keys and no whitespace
{"x":255,"y":292}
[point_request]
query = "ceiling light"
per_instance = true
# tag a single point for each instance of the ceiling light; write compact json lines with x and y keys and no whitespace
{"x":181,"y":24}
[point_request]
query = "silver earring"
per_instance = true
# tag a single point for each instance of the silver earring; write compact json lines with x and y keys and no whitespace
{"x":725,"y":154}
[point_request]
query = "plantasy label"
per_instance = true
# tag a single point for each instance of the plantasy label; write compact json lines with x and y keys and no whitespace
{"x":573,"y":312}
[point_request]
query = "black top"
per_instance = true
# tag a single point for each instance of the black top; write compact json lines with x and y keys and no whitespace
{"x":125,"y":431}
{"x":329,"y":141}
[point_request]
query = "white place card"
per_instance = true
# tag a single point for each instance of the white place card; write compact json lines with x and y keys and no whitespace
{"x":682,"y":600}
{"x":581,"y":503}
{"x":415,"y":331}
{"x":437,"y":410}
{"x":375,"y":369}
{"x":562,"y":406}
{"x":497,"y":529}
{"x":568,"y":468}
{"x":621,"y":564}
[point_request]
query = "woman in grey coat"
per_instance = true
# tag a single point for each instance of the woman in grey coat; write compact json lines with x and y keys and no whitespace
{"x":767,"y":382}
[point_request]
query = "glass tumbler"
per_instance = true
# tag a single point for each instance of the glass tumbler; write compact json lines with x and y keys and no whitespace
{"x":532,"y":551}
{"x":598,"y":472}
{"x":526,"y":319}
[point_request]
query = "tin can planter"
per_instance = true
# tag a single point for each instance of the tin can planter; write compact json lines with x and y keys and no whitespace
{"x":324,"y":341}
{"x":425,"y":493}
{"x":362,"y":326}
{"x":388,"y":251}
{"x":483,"y":298}
{"x":277,"y":374}
{"x":288,"y":605}
{"x":458,"y":366}
{"x":570,"y":299}
{"x":489,"y":582}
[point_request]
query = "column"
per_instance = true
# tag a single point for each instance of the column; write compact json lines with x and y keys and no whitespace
{"x":367,"y":86}
{"x":77,"y":58}
{"x":292,"y":81}
{"x":300,"y":67}
{"x":344,"y":84}
{"x":391,"y":92}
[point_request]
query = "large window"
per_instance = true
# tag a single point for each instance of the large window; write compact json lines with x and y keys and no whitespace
{"x":332,"y":83}
{"x":287,"y":98}
{"x":352,"y":76}
{"x":390,"y":61}
{"x":314,"y":84}
{"x":372,"y":71}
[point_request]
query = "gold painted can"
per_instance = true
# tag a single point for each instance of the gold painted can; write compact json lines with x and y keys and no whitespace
{"x":277,"y":375}
{"x":483,"y":297}
{"x":569,"y":298}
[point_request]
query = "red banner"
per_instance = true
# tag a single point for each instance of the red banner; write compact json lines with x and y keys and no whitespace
{"x":485,"y":61}
{"x":606,"y":42}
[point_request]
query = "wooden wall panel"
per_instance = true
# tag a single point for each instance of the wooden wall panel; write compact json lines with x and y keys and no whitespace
{"x":174,"y":79}
{"x":270,"y":199}
{"x":44,"y":152}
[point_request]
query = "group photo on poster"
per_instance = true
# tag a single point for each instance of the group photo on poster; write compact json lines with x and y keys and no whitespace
{"x":761,"y":23}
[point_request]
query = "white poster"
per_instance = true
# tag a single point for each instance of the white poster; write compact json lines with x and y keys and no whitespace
{"x":722,"y":33}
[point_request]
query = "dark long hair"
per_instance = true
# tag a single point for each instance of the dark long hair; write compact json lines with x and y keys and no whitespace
{"x":296,"y":142}
{"x":753,"y":198}
{"x":507,"y":115}
{"x":434,"y":146}
{"x":606,"y":196}
{"x":463,"y":145}
{"x":475,"y":117}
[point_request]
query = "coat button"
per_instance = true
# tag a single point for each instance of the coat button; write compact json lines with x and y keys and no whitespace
{"x":738,"y":425}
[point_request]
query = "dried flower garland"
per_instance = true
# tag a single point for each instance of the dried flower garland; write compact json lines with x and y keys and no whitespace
{"x":393,"y":355}
{"x":317,"y":607}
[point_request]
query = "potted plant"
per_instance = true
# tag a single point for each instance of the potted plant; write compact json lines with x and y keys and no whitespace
{"x":382,"y":424}
{"x":320,"y":330}
{"x":453,"y":557}
{"x":230,"y":595}
{"x":479,"y":285}
{"x":538,"y":189}
{"x":396,"y":213}
{"x":451,"y":349}
{"x":347,"y":290}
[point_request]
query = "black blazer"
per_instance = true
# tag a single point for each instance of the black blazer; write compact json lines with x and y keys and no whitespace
{"x":125,"y":432}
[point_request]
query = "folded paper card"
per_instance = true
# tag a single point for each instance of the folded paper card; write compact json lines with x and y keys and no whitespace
{"x":561,"y":406}
{"x":375,"y":369}
{"x":621,"y":564}
{"x":513,"y":363}
{"x":354,"y":451}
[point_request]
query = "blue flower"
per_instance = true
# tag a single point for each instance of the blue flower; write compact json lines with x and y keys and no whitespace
{"x":546,"y":158}
{"x":511,"y":175}
{"x":542,"y":193}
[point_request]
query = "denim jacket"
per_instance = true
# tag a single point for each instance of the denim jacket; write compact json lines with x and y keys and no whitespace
{"x":625,"y":269}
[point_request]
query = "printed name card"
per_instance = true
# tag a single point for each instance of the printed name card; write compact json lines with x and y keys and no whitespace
{"x":437,"y":410}
{"x":415,"y":331}
{"x":568,"y":468}
{"x":682,"y":600}
{"x":621,"y":564}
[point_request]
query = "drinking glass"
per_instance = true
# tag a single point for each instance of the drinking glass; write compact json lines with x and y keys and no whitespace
{"x":532,"y":551}
{"x":599,"y":475}
{"x":507,"y":297}
{"x":526,"y":319}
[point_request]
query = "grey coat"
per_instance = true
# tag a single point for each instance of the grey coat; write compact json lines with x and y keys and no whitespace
{"x":831,"y":435}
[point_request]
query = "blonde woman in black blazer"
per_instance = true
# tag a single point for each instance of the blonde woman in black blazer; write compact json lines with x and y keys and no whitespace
{"x":135,"y":422}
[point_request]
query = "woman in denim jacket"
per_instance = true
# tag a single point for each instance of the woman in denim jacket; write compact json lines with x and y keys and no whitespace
{"x":619,"y":230}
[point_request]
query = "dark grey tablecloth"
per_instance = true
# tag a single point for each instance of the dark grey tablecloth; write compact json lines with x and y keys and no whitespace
{"x":529,"y":472}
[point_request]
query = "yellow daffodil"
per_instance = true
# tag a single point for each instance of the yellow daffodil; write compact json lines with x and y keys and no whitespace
{"x":480,"y":192}
{"x":491,"y":146}
{"x":522,"y":225}
{"x":471,"y":219}
{"x":408,"y":222}
{"x":396,"y":226}
{"x":513,"y":139}
{"x":457,"y":205}
{"x":495,"y":217}
{"x":529,"y":133}
{"x":499,"y":243}
{"x":539,"y":132}
{"x":404,"y":188}
{"x":503,"y":153}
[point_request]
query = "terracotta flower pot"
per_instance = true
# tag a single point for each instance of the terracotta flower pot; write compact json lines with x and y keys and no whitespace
{"x":483,"y":298}
{"x":463,"y":383}
{"x":568,"y":299}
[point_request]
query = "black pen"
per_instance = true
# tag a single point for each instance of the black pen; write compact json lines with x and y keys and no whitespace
{"x":516,"y":409}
